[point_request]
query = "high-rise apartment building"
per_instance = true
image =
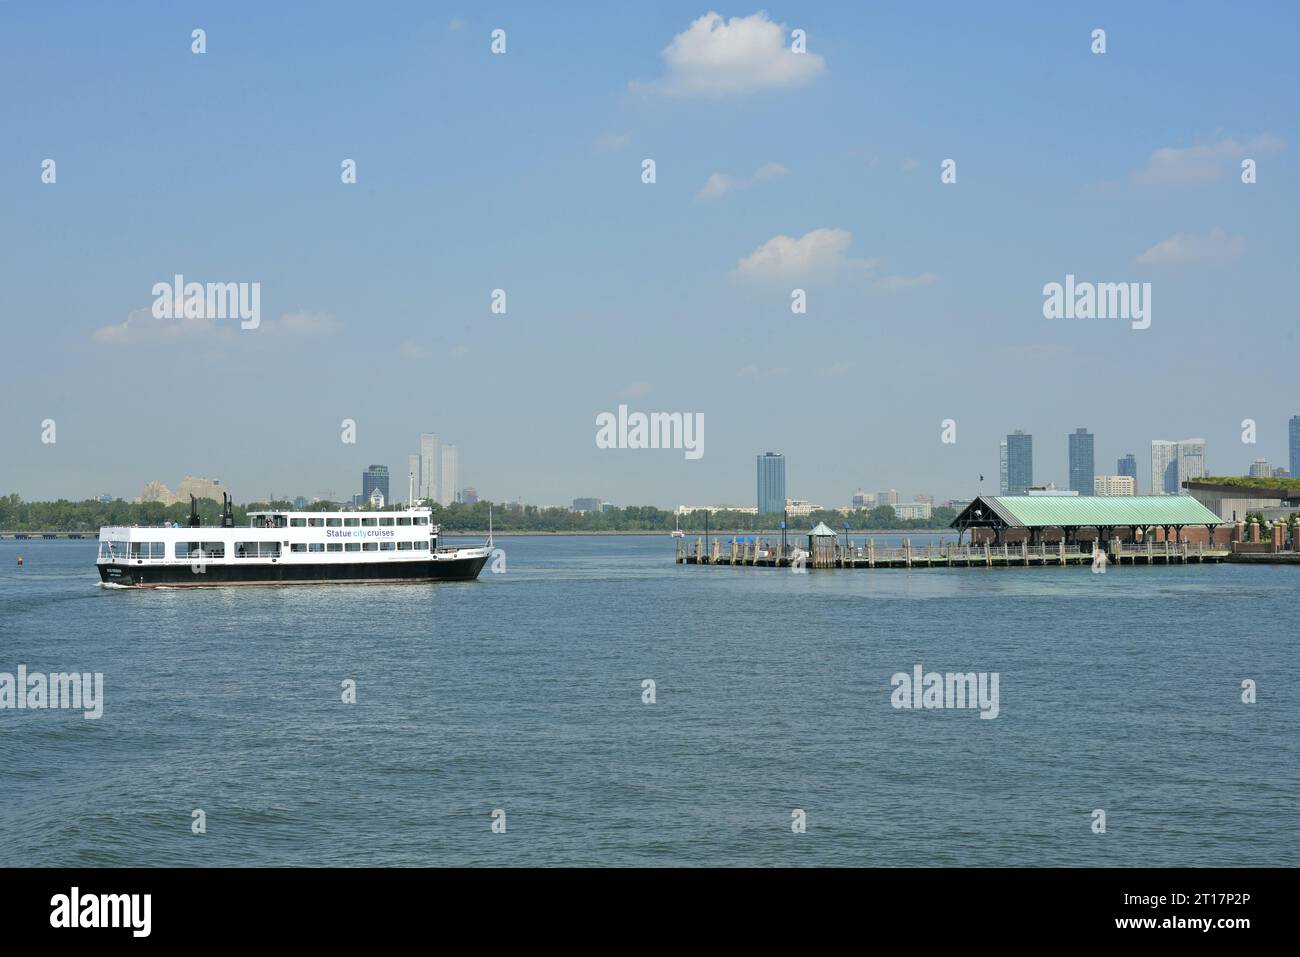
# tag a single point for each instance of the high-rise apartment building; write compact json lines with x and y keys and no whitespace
{"x":375,"y":477}
{"x":449,"y":481}
{"x":1020,"y":462}
{"x":1293,"y":434}
{"x":1082,"y":466}
{"x":428,"y":487}
{"x":1128,"y":465}
{"x":771,"y":483}
{"x":1173,"y":463}
{"x":1114,"y":485}
{"x":1002,"y":467}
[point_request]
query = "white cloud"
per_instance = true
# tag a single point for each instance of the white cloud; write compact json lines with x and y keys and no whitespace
{"x":1191,"y":165}
{"x":714,"y":57}
{"x":1213,"y":247}
{"x":820,"y":255}
{"x":815,"y":254}
{"x":141,"y":328}
{"x":719,"y":184}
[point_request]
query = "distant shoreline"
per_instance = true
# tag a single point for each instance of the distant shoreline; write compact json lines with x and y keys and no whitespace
{"x":482,"y":533}
{"x":713,"y":532}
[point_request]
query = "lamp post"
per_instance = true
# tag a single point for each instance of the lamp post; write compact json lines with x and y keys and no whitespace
{"x":784,"y":516}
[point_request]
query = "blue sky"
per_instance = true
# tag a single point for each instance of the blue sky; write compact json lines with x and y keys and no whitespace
{"x":522,"y":171}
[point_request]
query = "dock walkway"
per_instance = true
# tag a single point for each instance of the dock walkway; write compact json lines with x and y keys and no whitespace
{"x":759,"y":554}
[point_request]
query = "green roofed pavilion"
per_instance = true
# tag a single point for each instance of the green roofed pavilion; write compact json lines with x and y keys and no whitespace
{"x":1072,"y":512}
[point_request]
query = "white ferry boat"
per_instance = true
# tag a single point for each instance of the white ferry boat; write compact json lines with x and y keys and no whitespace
{"x":287,"y":547}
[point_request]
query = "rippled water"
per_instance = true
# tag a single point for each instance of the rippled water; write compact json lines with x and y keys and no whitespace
{"x":523,"y":692}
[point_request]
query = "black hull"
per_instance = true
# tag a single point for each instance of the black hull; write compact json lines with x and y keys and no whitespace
{"x":216,"y":575}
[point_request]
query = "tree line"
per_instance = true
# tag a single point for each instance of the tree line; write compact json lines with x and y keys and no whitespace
{"x":90,"y":515}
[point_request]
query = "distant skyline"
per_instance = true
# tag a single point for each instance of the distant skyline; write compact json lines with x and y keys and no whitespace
{"x":524,"y":173}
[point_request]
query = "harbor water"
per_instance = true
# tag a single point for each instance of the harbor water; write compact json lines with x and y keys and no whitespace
{"x":527,"y":692}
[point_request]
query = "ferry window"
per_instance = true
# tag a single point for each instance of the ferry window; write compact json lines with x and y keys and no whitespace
{"x":257,"y":549}
{"x":298,"y":523}
{"x":421,"y":546}
{"x":370,"y":546}
{"x":192,"y":551}
{"x":334,"y":522}
{"x":387,"y":546}
{"x":403,"y":521}
{"x":421,"y":521}
{"x":334,"y":547}
{"x":368,"y":522}
{"x":385,"y":521}
{"x":297,"y":547}
{"x":403,"y":546}
{"x":279,"y":521}
{"x":316,"y":522}
{"x":351,"y":522}
{"x":316,"y":547}
{"x":353,"y":546}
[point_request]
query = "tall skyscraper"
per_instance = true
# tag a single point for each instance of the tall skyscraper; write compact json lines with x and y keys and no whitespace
{"x":1293,"y":431}
{"x":375,"y":477}
{"x":1173,"y":463}
{"x":413,"y":471}
{"x":1164,"y":467}
{"x":1128,"y":465}
{"x":1191,"y":461}
{"x":1082,"y":468}
{"x":450,"y":479}
{"x":1020,"y":462}
{"x":1261,"y":469}
{"x":428,"y":487}
{"x":771,"y":483}
{"x":1002,"y":467}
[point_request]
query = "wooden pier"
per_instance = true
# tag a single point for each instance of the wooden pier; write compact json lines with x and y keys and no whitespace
{"x":760,"y":554}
